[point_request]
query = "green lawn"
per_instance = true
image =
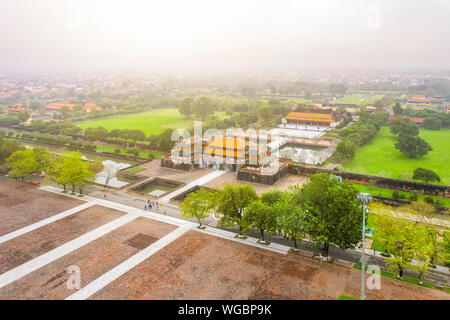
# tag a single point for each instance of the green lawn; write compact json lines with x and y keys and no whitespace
{"x":359,"y":99}
{"x":135,"y":170}
{"x":380,"y":158}
{"x":151,"y":122}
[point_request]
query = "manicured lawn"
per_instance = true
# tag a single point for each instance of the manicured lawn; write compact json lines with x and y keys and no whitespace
{"x":135,"y":170}
{"x":151,"y":122}
{"x":380,"y":158}
{"x":359,"y":99}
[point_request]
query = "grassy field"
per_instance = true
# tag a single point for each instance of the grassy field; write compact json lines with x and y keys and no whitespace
{"x":151,"y":122}
{"x":359,"y":99}
{"x":380,"y":158}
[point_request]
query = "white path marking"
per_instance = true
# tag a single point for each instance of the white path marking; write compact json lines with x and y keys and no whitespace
{"x":126,"y":266}
{"x":44,"y":222}
{"x":198,"y":182}
{"x":38,"y":262}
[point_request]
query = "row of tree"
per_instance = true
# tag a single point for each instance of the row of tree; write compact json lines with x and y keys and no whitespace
{"x":414,"y":245}
{"x":359,"y":134}
{"x":69,"y":169}
{"x":325,"y":210}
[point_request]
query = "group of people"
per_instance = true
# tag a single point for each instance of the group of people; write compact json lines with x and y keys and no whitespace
{"x":151,"y":204}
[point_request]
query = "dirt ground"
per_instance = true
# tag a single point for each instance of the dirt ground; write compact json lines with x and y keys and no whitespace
{"x":37,"y":242}
{"x":282,"y":184}
{"x":93,"y":259}
{"x":200,"y":266}
{"x":22,"y":204}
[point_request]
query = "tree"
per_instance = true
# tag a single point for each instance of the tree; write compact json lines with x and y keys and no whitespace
{"x":22,"y":163}
{"x":398,"y":109}
{"x":199,"y":205}
{"x":109,"y":172}
{"x":260,"y":216}
{"x":412,"y":146}
{"x":8,"y":147}
{"x":64,"y":111}
{"x":232,"y":202}
{"x":203,"y":107}
{"x":333,"y":212}
{"x":404,"y":127}
{"x":185,"y":107}
{"x":265,"y":113}
{"x":399,"y":237}
{"x":346,"y":149}
{"x":291,"y":219}
{"x":43,"y":158}
{"x":70,"y":169}
{"x":426,"y":175}
{"x":432,"y":123}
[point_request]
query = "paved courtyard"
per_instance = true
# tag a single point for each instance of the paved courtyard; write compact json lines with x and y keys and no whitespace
{"x":123,"y":252}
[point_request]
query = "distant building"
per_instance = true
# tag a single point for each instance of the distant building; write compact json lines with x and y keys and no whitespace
{"x":14,"y":109}
{"x":415,"y":120}
{"x":55,"y":107}
{"x":418,"y":99}
{"x":313,"y":117}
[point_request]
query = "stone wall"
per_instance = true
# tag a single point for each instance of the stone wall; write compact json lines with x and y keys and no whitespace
{"x":388,"y":183}
{"x":168,"y":163}
{"x":262,"y":178}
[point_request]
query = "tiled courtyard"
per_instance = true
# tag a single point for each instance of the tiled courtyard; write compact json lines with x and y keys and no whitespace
{"x":127,"y":253}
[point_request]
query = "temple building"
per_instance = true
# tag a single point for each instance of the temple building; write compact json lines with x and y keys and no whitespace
{"x":313,"y":117}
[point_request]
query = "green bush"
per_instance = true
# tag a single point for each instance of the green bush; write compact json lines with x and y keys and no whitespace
{"x":117,"y":150}
{"x":414,"y":196}
{"x":429,"y":200}
{"x":396,"y":195}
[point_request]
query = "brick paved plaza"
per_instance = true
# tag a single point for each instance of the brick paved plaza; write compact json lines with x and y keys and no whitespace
{"x":127,"y":253}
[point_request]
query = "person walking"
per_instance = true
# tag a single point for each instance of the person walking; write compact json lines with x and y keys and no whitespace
{"x":145,"y":207}
{"x":149,"y":206}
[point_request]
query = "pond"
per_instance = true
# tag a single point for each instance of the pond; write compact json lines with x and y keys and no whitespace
{"x":304,"y":154}
{"x":110,"y":172}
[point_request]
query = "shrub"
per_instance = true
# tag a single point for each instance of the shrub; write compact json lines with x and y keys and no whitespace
{"x":429,"y":200}
{"x":414,"y":197}
{"x":117,"y":150}
{"x":396,"y":195}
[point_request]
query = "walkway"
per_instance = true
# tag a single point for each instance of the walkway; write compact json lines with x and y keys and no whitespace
{"x":203,"y":180}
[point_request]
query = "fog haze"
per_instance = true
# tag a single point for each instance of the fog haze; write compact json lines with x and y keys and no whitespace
{"x":62,"y":35}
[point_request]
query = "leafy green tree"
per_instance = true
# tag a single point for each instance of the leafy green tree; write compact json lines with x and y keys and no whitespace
{"x":232,"y":202}
{"x":425,"y":175}
{"x":8,"y":147}
{"x":65,"y":111}
{"x":333,"y":212}
{"x":291,"y":219}
{"x":412,"y":146}
{"x":22,"y":163}
{"x":265,"y":113}
{"x":346,"y":149}
{"x":203,"y":107}
{"x":400,"y":238}
{"x":432,"y":123}
{"x":260,"y":216}
{"x":70,"y":170}
{"x":404,"y":127}
{"x":199,"y":205}
{"x":398,"y":110}
{"x":185,"y":107}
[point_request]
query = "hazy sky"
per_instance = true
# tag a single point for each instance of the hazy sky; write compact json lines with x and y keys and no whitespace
{"x":227,"y":35}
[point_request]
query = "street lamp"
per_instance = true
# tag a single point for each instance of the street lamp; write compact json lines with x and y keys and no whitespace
{"x":364,"y":197}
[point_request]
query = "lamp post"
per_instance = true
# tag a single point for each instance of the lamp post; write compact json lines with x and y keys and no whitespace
{"x":364,"y":197}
